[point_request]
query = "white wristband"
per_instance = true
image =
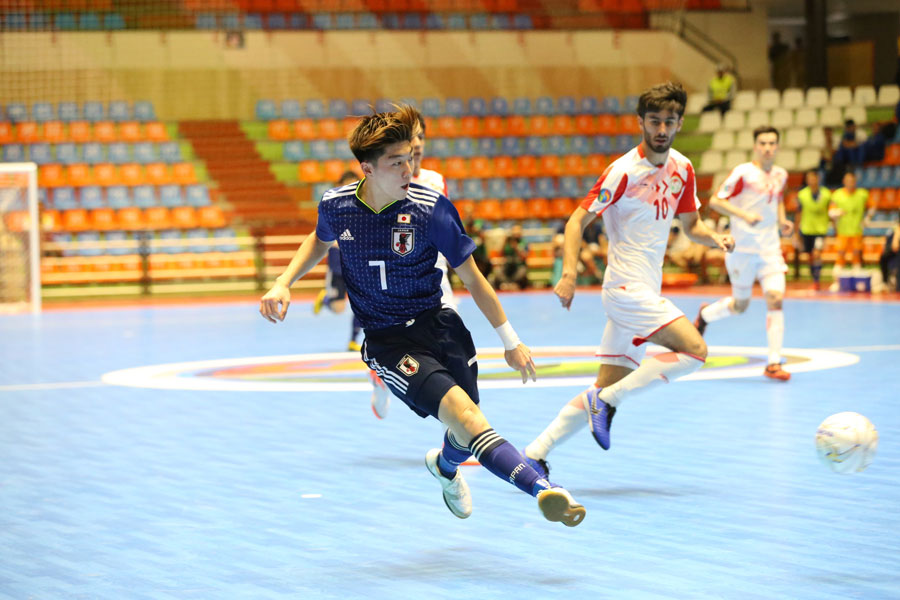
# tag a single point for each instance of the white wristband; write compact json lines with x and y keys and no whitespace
{"x":508,"y":336}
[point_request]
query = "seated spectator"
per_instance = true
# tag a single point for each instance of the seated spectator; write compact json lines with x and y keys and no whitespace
{"x":721,"y":90}
{"x":890,"y":259}
{"x":850,"y":147}
{"x":591,"y":259}
{"x":480,"y":255}
{"x":690,"y":256}
{"x":512,"y":272}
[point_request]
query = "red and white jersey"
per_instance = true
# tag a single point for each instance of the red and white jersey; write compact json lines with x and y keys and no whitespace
{"x":432,"y":179}
{"x":638,"y":201}
{"x":752,"y":189}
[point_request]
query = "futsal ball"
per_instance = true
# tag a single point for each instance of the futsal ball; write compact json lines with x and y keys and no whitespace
{"x":846,"y":442}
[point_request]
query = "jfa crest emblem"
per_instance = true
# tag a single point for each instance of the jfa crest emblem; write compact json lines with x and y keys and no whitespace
{"x":402,"y":240}
{"x":408,"y":366}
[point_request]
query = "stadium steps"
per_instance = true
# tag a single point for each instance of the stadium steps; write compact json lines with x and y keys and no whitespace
{"x":244,"y":179}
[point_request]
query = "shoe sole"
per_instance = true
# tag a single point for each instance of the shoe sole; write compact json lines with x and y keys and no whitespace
{"x":436,"y":474}
{"x":777,"y":377}
{"x":555,"y":507}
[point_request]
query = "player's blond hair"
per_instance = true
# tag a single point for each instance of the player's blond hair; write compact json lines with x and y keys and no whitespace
{"x":374,"y":133}
{"x":665,"y":96}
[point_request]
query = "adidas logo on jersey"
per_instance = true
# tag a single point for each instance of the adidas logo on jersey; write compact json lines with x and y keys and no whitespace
{"x":346,"y":236}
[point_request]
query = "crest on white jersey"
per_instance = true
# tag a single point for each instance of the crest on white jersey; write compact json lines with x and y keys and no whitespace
{"x":402,"y":240}
{"x":602,"y":200}
{"x":676,"y":184}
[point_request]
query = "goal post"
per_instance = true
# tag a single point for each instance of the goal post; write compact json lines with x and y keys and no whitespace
{"x":20,"y":257}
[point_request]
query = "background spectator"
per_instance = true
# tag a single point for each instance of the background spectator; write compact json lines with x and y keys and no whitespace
{"x":721,"y":90}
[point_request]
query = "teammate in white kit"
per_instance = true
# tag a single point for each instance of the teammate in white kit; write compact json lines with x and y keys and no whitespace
{"x":638,"y":196}
{"x":381,"y":396}
{"x":753,"y":196}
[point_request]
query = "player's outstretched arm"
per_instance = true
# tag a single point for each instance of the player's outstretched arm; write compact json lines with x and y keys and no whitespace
{"x":697,"y":231}
{"x":724,"y":207}
{"x":517,"y":354}
{"x":565,"y":287}
{"x":274,"y":305}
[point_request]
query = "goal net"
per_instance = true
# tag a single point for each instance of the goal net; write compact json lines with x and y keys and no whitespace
{"x":20,"y":269}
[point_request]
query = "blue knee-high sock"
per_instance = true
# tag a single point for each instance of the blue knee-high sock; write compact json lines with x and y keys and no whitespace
{"x":357,"y":327}
{"x":503,"y":460}
{"x":452,"y":455}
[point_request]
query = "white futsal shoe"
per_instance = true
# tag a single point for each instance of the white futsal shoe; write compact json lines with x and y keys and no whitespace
{"x":381,"y":396}
{"x":557,"y":504}
{"x":456,"y":490}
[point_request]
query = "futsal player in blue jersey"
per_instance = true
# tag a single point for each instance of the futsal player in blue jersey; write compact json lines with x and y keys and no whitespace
{"x":390,"y":231}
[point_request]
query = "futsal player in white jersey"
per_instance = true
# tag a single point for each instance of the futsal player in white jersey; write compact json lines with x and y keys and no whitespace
{"x":381,"y":396}
{"x":753,"y":197}
{"x":637,"y":196}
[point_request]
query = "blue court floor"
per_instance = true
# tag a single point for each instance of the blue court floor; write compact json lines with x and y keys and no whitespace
{"x":712,"y":489}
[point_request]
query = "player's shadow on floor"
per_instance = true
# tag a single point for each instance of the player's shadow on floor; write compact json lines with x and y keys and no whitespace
{"x":627,"y":491}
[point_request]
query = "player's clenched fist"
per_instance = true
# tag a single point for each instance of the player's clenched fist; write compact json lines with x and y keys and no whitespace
{"x":274,"y":305}
{"x":565,"y":290}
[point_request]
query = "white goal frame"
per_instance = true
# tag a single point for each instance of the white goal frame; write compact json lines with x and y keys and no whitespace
{"x":34,"y":226}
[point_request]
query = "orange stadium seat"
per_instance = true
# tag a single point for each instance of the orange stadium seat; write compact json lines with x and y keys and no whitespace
{"x":184,"y":217}
{"x":27,"y":132}
{"x":549,"y":166}
{"x":158,"y":217}
{"x":130,"y":131}
{"x":310,"y":171}
{"x":586,"y":124}
{"x":481,"y":166}
{"x":892,"y":155}
{"x":75,"y":219}
{"x":574,"y":164}
{"x":470,"y":126}
{"x":54,"y":131}
{"x":131,"y":218}
{"x":504,"y":166}
{"x":279,"y":129}
{"x":330,"y":129}
{"x":155,"y":131}
{"x":17,"y":220}
{"x":211,"y":217}
{"x":79,"y":175}
{"x":494,"y":126}
{"x":448,"y":127}
{"x":51,"y":176}
{"x":515,"y":209}
{"x":890,"y":199}
{"x":629,"y":124}
{"x":488,"y":210}
{"x":539,"y":208}
{"x":348,"y":124}
{"x":561,"y":208}
{"x":80,"y":131}
{"x":103,"y":219}
{"x":305,"y":129}
{"x":526,"y":166}
{"x":6,"y":133}
{"x":595,"y":164}
{"x":562,"y":125}
{"x":333,"y":169}
{"x":184,"y":173}
{"x":539,"y":125}
{"x":157,"y":173}
{"x":607,"y":125}
{"x":466,"y":208}
{"x":432,"y":163}
{"x":456,"y":167}
{"x":105,"y":132}
{"x":516,"y":126}
{"x":51,"y":220}
{"x":132,"y":174}
{"x":105,"y":174}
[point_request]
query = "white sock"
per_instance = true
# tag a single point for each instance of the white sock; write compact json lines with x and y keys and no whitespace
{"x":775,"y":334}
{"x":719,"y":309}
{"x":661,"y":368}
{"x":569,"y":420}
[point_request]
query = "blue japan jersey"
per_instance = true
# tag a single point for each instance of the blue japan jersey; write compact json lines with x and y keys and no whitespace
{"x":388,"y":258}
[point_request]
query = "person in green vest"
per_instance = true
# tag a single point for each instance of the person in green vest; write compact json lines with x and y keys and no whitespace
{"x":848,"y":210}
{"x":813,"y":202}
{"x":721,"y":90}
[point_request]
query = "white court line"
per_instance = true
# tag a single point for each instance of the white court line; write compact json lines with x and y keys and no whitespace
{"x":310,"y":495}
{"x":885,"y":348}
{"x":62,"y":385}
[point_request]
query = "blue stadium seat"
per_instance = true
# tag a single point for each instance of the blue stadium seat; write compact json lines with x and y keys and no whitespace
{"x":440,"y":148}
{"x":342,"y":151}
{"x":556,"y":144}
{"x":198,"y":195}
{"x":113,"y":21}
{"x":464,"y":147}
{"x":511,"y":146}
{"x":384,"y":105}
{"x":15,"y":21}
{"x":337,"y":108}
{"x":276,"y":22}
{"x":171,"y":242}
{"x":321,"y":149}
{"x":500,"y":22}
{"x":40,"y":21}
{"x":345,"y":20}
{"x":473,"y":189}
{"x":610,"y":106}
{"x":143,"y":111}
{"x":144,"y":196}
{"x":67,"y":153}
{"x":579,"y":144}
{"x":479,"y":22}
{"x":40,"y":154}
{"x":64,"y":198}
{"x":265,"y":110}
{"x":298,"y":20}
{"x":603,"y":144}
{"x":115,"y":250}
{"x":454,"y":107}
{"x":520,"y":187}
{"x":198,"y":234}
{"x":477,"y":106}
{"x":117,"y":196}
{"x":144,"y":152}
{"x":534,"y":145}
{"x":434,"y":21}
{"x":454,"y":188}
{"x":487,"y":147}
{"x":412,"y":21}
{"x":62,"y":238}
{"x":290,"y":109}
{"x":294,"y":151}
{"x":868,"y":177}
{"x":92,"y":197}
{"x":65,"y":21}
{"x":118,"y":153}
{"x":499,"y":106}
{"x":16,"y":112}
{"x":629,"y":107}
{"x":13,"y":153}
{"x":431,"y":107}
{"x":89,"y":21}
{"x":119,"y":111}
{"x":587,"y":182}
{"x":624,"y":143}
{"x":570,"y":187}
{"x":544,"y":106}
{"x":390,"y":21}
{"x":315,"y":109}
{"x":231,"y":22}
{"x":93,"y":111}
{"x":170,"y":195}
{"x":521,"y":106}
{"x":322,"y":21}
{"x":545,"y":187}
{"x":360,"y":107}
{"x":90,"y":237}
{"x":170,"y":152}
{"x":225,"y":232}
{"x":206,"y":20}
{"x":366,"y":21}
{"x":93,"y":153}
{"x":589,"y":105}
{"x":253,"y":21}
{"x":68,"y":111}
{"x":522,"y":21}
{"x":42,"y":111}
{"x":456,"y":21}
{"x":319,"y":190}
{"x":566,"y":105}
{"x":497,"y":187}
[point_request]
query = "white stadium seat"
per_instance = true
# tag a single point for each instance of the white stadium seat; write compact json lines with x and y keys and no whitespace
{"x":831,"y":117}
{"x":787,"y":159}
{"x":816,"y":97}
{"x":809,"y":158}
{"x":734,"y":120}
{"x":718,"y":179}
{"x":695,"y":104}
{"x":744,"y":100}
{"x":768,"y":99}
{"x":806,"y":117}
{"x":710,"y":121}
{"x":795,"y":137}
{"x":792,"y":98}
{"x":857,"y":113}
{"x":735,"y":157}
{"x":744,"y":140}
{"x":758,"y":118}
{"x":840,"y":96}
{"x":722,"y":140}
{"x":816,"y":138}
{"x":864,"y":95}
{"x":783,"y":118}
{"x":888,"y":95}
{"x":710,"y":161}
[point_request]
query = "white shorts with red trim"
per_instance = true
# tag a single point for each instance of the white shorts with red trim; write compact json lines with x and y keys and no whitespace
{"x":745,"y":268}
{"x":633,"y":313}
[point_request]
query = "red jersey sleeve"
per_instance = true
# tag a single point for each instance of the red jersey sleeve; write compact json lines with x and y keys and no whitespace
{"x":602,"y":195}
{"x":732,"y":185}
{"x":688,"y":201}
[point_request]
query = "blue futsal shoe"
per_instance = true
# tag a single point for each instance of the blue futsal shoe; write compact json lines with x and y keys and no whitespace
{"x":601,"y":415}
{"x":538,"y":464}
